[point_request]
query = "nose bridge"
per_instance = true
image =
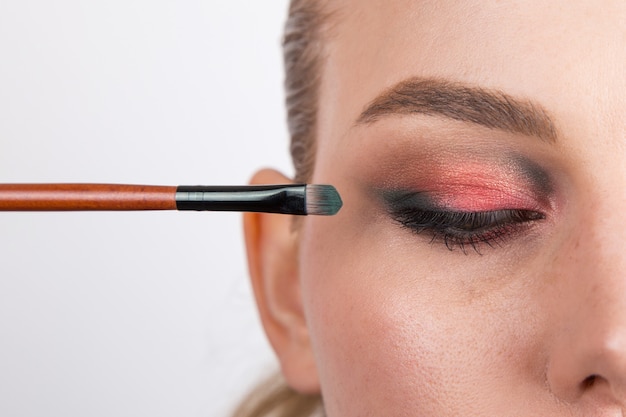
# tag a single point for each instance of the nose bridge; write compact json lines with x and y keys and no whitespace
{"x":600,"y":317}
{"x":602,"y":235}
{"x":590,"y":341}
{"x":601,"y":254}
{"x":602,"y":314}
{"x":599,"y":273}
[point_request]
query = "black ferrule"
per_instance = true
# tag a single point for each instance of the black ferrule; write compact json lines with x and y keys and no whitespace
{"x":285,"y":199}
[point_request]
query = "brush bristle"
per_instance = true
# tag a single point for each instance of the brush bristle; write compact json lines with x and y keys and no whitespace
{"x":322,"y":200}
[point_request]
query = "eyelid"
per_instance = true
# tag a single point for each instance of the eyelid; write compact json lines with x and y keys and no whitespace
{"x":414,"y":211}
{"x":463,"y":199}
{"x":470,"y":228}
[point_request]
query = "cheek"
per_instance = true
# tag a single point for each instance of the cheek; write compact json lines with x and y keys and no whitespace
{"x":379,"y":348}
{"x":362,"y":350}
{"x":391,"y":338}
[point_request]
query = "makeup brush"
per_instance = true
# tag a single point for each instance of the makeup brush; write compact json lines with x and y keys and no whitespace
{"x":299,"y":199}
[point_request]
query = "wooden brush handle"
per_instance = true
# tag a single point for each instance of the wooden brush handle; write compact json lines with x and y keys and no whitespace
{"x":75,"y":197}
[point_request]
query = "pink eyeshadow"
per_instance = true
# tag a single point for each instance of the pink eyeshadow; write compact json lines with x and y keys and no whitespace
{"x":477,"y":187}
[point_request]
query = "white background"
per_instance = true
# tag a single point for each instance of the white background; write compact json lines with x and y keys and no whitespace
{"x":148,"y":313}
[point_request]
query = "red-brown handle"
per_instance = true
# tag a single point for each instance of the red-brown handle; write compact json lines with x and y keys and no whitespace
{"x":77,"y":197}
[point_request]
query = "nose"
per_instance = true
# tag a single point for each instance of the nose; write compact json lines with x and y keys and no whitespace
{"x":587,"y":349}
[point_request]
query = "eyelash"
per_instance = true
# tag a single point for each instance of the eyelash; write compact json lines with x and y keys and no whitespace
{"x":462,"y":229}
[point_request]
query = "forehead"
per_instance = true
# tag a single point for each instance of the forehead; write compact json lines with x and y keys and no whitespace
{"x":531,"y":48}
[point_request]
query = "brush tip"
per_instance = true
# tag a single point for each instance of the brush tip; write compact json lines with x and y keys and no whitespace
{"x":322,"y":200}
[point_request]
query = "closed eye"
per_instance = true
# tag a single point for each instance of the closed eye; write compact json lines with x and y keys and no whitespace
{"x":460,"y":229}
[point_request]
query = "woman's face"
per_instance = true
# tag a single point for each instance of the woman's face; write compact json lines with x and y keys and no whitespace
{"x":477,"y":267}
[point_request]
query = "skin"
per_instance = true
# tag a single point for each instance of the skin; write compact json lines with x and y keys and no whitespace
{"x":383,"y":321}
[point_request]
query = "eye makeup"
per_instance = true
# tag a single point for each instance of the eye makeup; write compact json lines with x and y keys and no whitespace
{"x":472,"y":202}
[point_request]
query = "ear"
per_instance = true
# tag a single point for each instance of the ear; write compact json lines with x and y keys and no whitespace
{"x":272,"y":246}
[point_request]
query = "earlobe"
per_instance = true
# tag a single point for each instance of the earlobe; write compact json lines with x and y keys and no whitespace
{"x":272,"y":247}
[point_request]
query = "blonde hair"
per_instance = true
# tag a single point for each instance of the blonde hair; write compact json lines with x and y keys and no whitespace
{"x":303,"y":58}
{"x":274,"y":398}
{"x":303,"y":53}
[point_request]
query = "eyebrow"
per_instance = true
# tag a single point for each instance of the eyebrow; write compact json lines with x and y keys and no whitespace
{"x":489,"y":108}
